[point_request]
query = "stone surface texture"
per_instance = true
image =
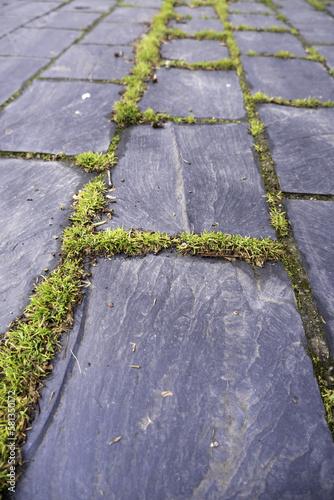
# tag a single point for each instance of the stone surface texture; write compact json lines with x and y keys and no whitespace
{"x":268,"y":43}
{"x":197,"y":25}
{"x":119,"y":34}
{"x":256,"y":21}
{"x":193,"y":51}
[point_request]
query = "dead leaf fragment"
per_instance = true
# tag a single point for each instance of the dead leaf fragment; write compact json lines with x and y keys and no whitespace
{"x":52,"y":394}
{"x":110,"y":304}
{"x":135,"y":366}
{"x":154,"y":301}
{"x":165,"y":394}
{"x":134,"y":347}
{"x":115,"y":440}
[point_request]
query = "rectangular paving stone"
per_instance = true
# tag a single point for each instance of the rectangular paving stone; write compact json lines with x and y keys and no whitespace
{"x":189,"y":178}
{"x":66,"y":20}
{"x":268,"y":43}
{"x":313,"y":227}
{"x":256,"y":21}
{"x":326,"y":51}
{"x":197,"y":12}
{"x":114,"y":34}
{"x":92,"y":62}
{"x":31,"y":194}
{"x":18,"y":71}
{"x":53,"y":117}
{"x":207,"y":375}
{"x":288,"y":78}
{"x":33,"y":42}
{"x":88,"y":5}
{"x":28,"y":9}
{"x":193,"y":51}
{"x":10,"y":23}
{"x":194,"y":25}
{"x":131,"y":15}
{"x":315,"y":26}
{"x":204,"y":94}
{"x":249,"y":7}
{"x":302,"y":146}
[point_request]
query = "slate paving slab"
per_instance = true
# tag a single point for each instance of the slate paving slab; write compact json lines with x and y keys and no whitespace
{"x":66,"y":20}
{"x":326,"y":51}
{"x":53,"y":117}
{"x":10,"y":23}
{"x":189,"y":178}
{"x":302,"y":145}
{"x":256,"y":21}
{"x":28,"y":9}
{"x":131,"y":15}
{"x":31,"y":194}
{"x":92,"y":62}
{"x":313,"y":227}
{"x":249,"y":7}
{"x":204,"y":94}
{"x":268,"y":43}
{"x":193,"y":51}
{"x":197,"y":13}
{"x":195,"y":25}
{"x":315,"y":26}
{"x":18,"y":71}
{"x":87,"y":5}
{"x":33,"y":42}
{"x":118,"y":34}
{"x":288,"y":78}
{"x":242,"y":380}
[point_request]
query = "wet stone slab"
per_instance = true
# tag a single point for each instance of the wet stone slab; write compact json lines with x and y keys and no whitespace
{"x":53,"y":117}
{"x":302,"y":146}
{"x":131,"y":15}
{"x":31,"y":194}
{"x":327,"y":52}
{"x":117,"y":34}
{"x":92,"y":62}
{"x":189,"y":178}
{"x":193,"y":51}
{"x":67,"y":20}
{"x":196,"y":25}
{"x":256,"y":21}
{"x":204,"y":94}
{"x":268,"y":43}
{"x":18,"y":71}
{"x":288,"y":78}
{"x":37,"y":42}
{"x":313,"y":227}
{"x":222,"y":360}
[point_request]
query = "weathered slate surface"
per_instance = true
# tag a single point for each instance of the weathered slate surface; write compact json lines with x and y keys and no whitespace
{"x":326,"y":51}
{"x":256,"y":21}
{"x":197,"y":13}
{"x":92,"y":62}
{"x":288,"y":78}
{"x":64,"y":19}
{"x":204,"y":94}
{"x":118,"y":34}
{"x":131,"y":15}
{"x":53,"y":117}
{"x":302,"y":145}
{"x":87,"y":5}
{"x":249,"y":7}
{"x":29,"y":10}
{"x":195,"y":25}
{"x":313,"y":227}
{"x":183,"y":178}
{"x":31,"y":194}
{"x":268,"y":43}
{"x":18,"y":71}
{"x":10,"y":23}
{"x":193,"y":51}
{"x":228,"y":345}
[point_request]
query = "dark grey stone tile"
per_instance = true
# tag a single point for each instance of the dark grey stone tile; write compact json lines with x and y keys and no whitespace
{"x":317,"y":32}
{"x":32,"y":42}
{"x":18,"y":71}
{"x":51,"y":117}
{"x":256,"y":21}
{"x":313,"y":227}
{"x":327,"y":52}
{"x":29,"y":10}
{"x":88,"y":5}
{"x":155,"y":4}
{"x":315,"y":26}
{"x":243,"y":380}
{"x":131,"y":15}
{"x":221,"y":184}
{"x":194,"y":25}
{"x":197,"y":13}
{"x":91,"y":62}
{"x":66,"y":20}
{"x":302,"y":146}
{"x":268,"y":43}
{"x":288,"y":78}
{"x":31,"y":194}
{"x":330,"y":8}
{"x":249,"y":7}
{"x":204,"y":94}
{"x":193,"y":51}
{"x":117,"y":34}
{"x":10,"y":23}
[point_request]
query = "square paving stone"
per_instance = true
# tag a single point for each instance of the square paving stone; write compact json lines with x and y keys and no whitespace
{"x":302,"y":146}
{"x":18,"y":71}
{"x":256,"y":21}
{"x":288,"y":78}
{"x":88,"y":5}
{"x":31,"y":194}
{"x":206,"y":375}
{"x":327,"y":52}
{"x":315,"y":26}
{"x":37,"y":43}
{"x":268,"y":43}
{"x":91,"y":62}
{"x":313,"y":227}
{"x":52,"y":117}
{"x":10,"y":23}
{"x":189,"y":178}
{"x":197,"y":12}
{"x":249,"y":7}
{"x":204,"y":94}
{"x":196,"y":25}
{"x":67,"y":20}
{"x":131,"y":15}
{"x":193,"y":51}
{"x":28,"y":9}
{"x":114,"y":34}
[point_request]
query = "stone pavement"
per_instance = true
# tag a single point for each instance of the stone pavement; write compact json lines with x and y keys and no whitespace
{"x":225,"y":404}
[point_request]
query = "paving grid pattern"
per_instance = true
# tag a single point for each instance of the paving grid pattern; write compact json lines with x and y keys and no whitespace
{"x":226,"y":342}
